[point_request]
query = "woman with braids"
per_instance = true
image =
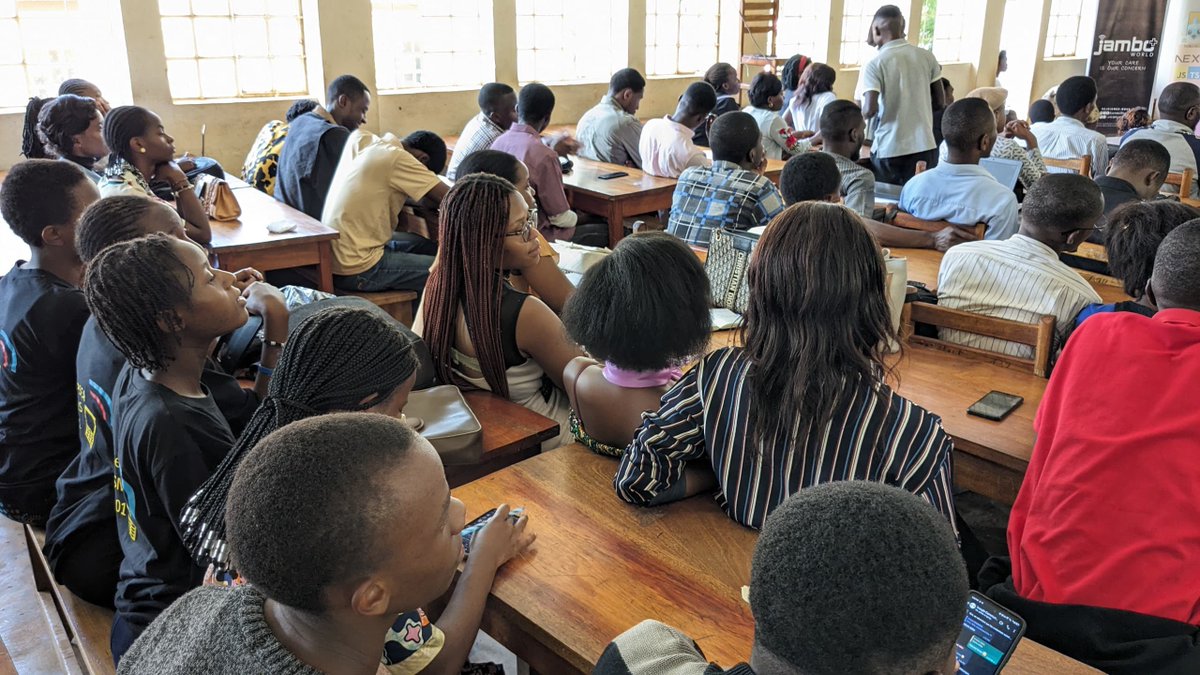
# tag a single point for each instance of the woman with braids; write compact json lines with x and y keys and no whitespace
{"x":481,"y":332}
{"x":85,"y":89}
{"x":789,"y":75}
{"x":814,"y":92}
{"x":142,"y":152}
{"x":724,"y":78}
{"x":804,"y":401}
{"x":67,"y":127}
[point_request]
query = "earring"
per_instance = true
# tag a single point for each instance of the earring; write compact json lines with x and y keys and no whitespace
{"x":142,"y":150}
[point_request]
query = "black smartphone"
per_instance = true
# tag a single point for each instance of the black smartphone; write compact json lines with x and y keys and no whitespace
{"x":989,"y":636}
{"x":610,"y":176}
{"x":996,"y":405}
{"x":470,"y":529}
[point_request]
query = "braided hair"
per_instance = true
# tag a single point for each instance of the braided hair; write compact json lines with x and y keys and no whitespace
{"x":471,"y":240}
{"x":130,"y":287}
{"x":61,"y":119}
{"x":790,"y":75}
{"x":76,"y":86}
{"x":122,"y":125}
{"x":31,"y":144}
{"x":719,"y":75}
{"x":110,"y":221}
{"x":340,"y":359}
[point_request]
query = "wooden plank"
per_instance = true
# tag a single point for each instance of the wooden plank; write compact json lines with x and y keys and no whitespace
{"x":25,"y":628}
{"x":511,"y":433}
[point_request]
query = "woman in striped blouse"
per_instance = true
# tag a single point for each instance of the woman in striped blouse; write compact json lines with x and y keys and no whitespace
{"x":804,"y":402}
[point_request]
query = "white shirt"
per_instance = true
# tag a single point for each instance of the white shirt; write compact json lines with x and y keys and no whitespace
{"x":667,"y":149}
{"x":963,"y":194}
{"x":807,"y":117}
{"x":1020,"y":279}
{"x":1171,"y":135}
{"x":902,"y":73}
{"x":775,"y":133}
{"x":1067,"y":138}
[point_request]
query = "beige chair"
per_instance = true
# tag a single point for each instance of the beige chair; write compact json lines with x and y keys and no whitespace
{"x":1039,"y":336}
{"x":1080,"y":165}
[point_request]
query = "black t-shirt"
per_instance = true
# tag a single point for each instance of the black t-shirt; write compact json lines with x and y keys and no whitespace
{"x":166,"y":445}
{"x":41,"y":317}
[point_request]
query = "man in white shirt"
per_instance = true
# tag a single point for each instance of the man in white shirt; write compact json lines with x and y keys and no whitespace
{"x":1067,"y":137}
{"x":666,"y":145}
{"x":1022,"y":279}
{"x":959,"y":190}
{"x":1178,"y":113}
{"x":896,"y":86}
{"x":609,"y":132}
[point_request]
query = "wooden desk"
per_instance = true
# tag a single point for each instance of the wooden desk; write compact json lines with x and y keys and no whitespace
{"x":247,"y":243}
{"x":600,"y":566}
{"x":614,"y":199}
{"x":511,"y":433}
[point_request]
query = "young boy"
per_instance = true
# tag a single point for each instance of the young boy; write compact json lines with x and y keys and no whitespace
{"x":610,"y":131}
{"x":326,"y":582}
{"x":1067,"y":137}
{"x":844,"y":130}
{"x":847,"y":577}
{"x":666,"y":145}
{"x":42,"y":314}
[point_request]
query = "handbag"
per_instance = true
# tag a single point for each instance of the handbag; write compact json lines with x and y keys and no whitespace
{"x":728,"y":260}
{"x":449,"y":424}
{"x":217,"y":198}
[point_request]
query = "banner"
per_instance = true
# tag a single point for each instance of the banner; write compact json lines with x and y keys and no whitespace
{"x":1180,"y":45}
{"x":1124,"y":56}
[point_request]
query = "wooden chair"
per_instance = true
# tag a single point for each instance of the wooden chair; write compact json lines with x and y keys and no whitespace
{"x":398,"y":304}
{"x":1039,"y":336}
{"x":910,"y":222}
{"x":760,"y":21}
{"x":1080,"y":165}
{"x":1179,"y":180}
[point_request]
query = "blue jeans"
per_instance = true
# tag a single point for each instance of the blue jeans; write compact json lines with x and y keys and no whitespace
{"x":403,"y":267}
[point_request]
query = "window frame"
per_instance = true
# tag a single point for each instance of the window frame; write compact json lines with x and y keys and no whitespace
{"x":651,"y":18}
{"x":487,"y":55}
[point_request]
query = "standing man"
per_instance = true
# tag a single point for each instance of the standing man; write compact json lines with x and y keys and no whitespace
{"x":610,"y":132}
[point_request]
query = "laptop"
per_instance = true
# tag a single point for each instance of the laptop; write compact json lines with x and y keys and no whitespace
{"x":1006,"y":171}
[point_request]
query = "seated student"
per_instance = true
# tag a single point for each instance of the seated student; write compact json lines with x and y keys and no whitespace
{"x":724,"y":80}
{"x":666,"y":145}
{"x":813,"y":94}
{"x":1133,"y":235}
{"x":1178,"y":115}
{"x":1103,"y":535}
{"x":42,"y":314}
{"x":1067,"y":137}
{"x":67,"y":127}
{"x":351,"y":570}
{"x":315,"y":143}
{"x":947,"y":99}
{"x":497,"y":113}
{"x":766,"y":99}
{"x":1021,"y":278}
{"x":640,"y":314}
{"x":1136,"y":174}
{"x":610,"y":131}
{"x":1134,"y":119}
{"x":428,"y":148}
{"x":731,"y":194}
{"x":843,"y":131}
{"x":542,"y":277}
{"x":1032,"y":166}
{"x":480,"y":331}
{"x":789,"y":75}
{"x":848,"y":577}
{"x":1041,"y":113}
{"x":776,"y":416}
{"x":162,"y":305}
{"x":85,"y":89}
{"x":261,"y":167}
{"x":958,"y":190}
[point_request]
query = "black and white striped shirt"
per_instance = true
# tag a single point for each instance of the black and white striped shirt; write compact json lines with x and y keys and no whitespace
{"x":706,"y":416}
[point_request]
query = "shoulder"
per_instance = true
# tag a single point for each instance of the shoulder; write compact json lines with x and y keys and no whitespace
{"x":647,"y":648}
{"x":200,"y":631}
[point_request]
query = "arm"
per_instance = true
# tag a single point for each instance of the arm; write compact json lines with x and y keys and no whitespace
{"x":1032,"y":166}
{"x":265,"y":300}
{"x":549,"y":283}
{"x":630,"y":137}
{"x":870,"y":106}
{"x":769,"y":203}
{"x":540,"y":334}
{"x":871,"y":85}
{"x":546,"y":177}
{"x":899,"y":237}
{"x":1100,"y":158}
{"x":186,"y":203}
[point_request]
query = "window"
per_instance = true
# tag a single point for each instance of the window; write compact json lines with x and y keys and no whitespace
{"x":942,"y":27}
{"x":433,"y":43}
{"x":681,"y":36}
{"x":43,"y":42}
{"x":856,"y":22}
{"x":570,"y":41}
{"x":802,"y":28}
{"x":1062,"y":33}
{"x":233,"y":48}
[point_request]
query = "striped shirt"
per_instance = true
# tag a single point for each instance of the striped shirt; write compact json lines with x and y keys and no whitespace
{"x":479,"y":134}
{"x":706,"y":415}
{"x":858,"y":185}
{"x":1067,"y":138}
{"x":723,"y":196}
{"x":1020,"y":279}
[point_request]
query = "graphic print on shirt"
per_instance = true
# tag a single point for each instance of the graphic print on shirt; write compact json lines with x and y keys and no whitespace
{"x":8,"y":353}
{"x":94,"y":397}
{"x":126,"y":500}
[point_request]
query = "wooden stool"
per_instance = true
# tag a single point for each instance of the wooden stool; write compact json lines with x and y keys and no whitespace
{"x":398,"y":304}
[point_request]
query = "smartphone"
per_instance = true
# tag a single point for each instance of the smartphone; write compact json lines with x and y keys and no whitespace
{"x":473,"y":527}
{"x":610,"y":176}
{"x":996,"y":405}
{"x":989,"y":636}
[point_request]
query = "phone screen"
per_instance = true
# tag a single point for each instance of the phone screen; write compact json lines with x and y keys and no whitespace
{"x":996,"y":405}
{"x":989,"y":636}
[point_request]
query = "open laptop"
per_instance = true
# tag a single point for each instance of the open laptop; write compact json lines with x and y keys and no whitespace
{"x":1006,"y":171}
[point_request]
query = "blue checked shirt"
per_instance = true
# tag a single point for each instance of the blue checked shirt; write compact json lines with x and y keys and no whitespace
{"x":723,"y":195}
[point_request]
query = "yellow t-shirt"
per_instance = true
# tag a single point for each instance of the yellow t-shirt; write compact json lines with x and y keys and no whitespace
{"x":374,"y":178}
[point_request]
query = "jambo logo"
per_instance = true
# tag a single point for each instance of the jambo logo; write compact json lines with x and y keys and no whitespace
{"x":1134,"y":45}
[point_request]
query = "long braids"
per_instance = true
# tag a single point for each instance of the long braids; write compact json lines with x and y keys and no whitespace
{"x":60,"y":120}
{"x":340,"y":359}
{"x":111,"y":220}
{"x":474,"y":216}
{"x":31,"y":143}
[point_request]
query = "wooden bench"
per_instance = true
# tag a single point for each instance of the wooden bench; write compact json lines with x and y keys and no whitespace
{"x":1039,"y":336}
{"x":398,"y":304}
{"x":910,"y":222}
{"x":1080,"y":165}
{"x":29,"y":626}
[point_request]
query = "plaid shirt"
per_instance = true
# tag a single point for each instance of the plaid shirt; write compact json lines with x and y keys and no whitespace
{"x":479,"y":134}
{"x":721,"y":196}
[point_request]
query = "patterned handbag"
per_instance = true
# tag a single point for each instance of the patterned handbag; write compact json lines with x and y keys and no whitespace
{"x":728,"y":260}
{"x":217,"y":198}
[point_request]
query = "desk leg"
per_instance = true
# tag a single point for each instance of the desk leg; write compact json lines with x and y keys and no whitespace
{"x":325,"y":267}
{"x":616,"y":222}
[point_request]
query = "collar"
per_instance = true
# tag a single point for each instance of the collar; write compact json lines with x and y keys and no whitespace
{"x":679,"y":126}
{"x":323,"y":114}
{"x":524,"y":129}
{"x":1187,"y":317}
{"x":893,"y":44}
{"x":488,"y":121}
{"x":1114,"y":183}
{"x":962,"y":169}
{"x":1069,"y":121}
{"x":1171,"y":126}
{"x":1033,"y":245}
{"x":610,"y":101}
{"x":721,"y":96}
{"x":634,"y":379}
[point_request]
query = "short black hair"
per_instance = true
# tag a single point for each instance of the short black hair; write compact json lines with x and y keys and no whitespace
{"x":490,"y":95}
{"x":63,"y":118}
{"x":733,"y":135}
{"x":889,"y":12}
{"x":1176,"y":98}
{"x":851,"y":576}
{"x":839,"y":118}
{"x":1041,"y":110}
{"x":299,"y":107}
{"x":121,"y":125}
{"x":76,"y":86}
{"x":1177,"y":266}
{"x":808,"y":177}
{"x":431,"y":144}
{"x":1063,"y":202}
{"x":306,"y":507}
{"x":763,"y":87}
{"x":1142,"y":153}
{"x":965,"y":121}
{"x":535,"y":102}
{"x":1075,"y":93}
{"x":719,"y":75}
{"x":494,"y":162}
{"x":644,"y":307}
{"x":1133,"y":234}
{"x":38,"y":193}
{"x":627,"y":78}
{"x":109,"y":221}
{"x":348,"y":85}
{"x":701,"y":98}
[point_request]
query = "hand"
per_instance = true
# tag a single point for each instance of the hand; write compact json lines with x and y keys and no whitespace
{"x":1019,"y":129}
{"x":244,"y":277}
{"x":170,"y":173}
{"x":501,"y":539}
{"x":263,"y":299}
{"x":564,"y":144}
{"x":805,"y":134}
{"x":186,"y":162}
{"x":951,"y":235}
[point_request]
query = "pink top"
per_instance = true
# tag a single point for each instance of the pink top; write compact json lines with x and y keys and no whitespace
{"x":545,"y":174}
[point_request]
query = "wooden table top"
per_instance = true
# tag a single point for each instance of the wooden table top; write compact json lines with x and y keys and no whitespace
{"x":249,"y":233}
{"x":585,"y":177}
{"x":600,"y":566}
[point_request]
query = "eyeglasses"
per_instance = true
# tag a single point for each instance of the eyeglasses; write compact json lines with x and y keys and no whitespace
{"x":526,"y":232}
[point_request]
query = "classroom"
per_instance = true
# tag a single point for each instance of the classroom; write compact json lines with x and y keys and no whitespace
{"x":624,"y":337}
